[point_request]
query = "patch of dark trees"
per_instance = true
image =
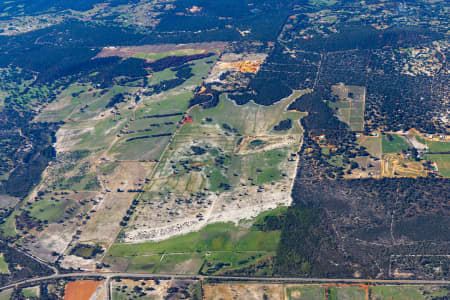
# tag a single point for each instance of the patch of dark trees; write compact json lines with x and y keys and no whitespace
{"x":396,"y":101}
{"x":164,"y":85}
{"x":25,"y":222}
{"x":271,"y":223}
{"x":198,"y":150}
{"x":357,"y":210}
{"x":362,"y":37}
{"x":283,"y":125}
{"x":130,"y":213}
{"x":207,"y":99}
{"x":68,"y":49}
{"x":26,"y":150}
{"x":183,"y":73}
{"x":321,"y":118}
{"x":147,"y":137}
{"x":218,"y":20}
{"x":278,"y":76}
{"x":27,"y":7}
{"x":176,"y":61}
{"x":116,"y":99}
{"x":348,"y":67}
{"x":80,"y":250}
{"x":21,"y":266}
{"x":161,"y":116}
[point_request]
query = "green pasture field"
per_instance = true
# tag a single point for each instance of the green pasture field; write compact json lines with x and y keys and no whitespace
{"x":397,"y":145}
{"x":97,"y":134}
{"x":31,"y":292}
{"x":50,"y":210}
{"x":8,"y":228}
{"x":346,"y":292}
{"x":350,"y":109}
{"x":224,"y":244}
{"x":6,"y":295}
{"x":156,"y":56}
{"x":305,"y":292}
{"x":141,"y":149}
{"x":442,"y":161}
{"x":373,"y":145}
{"x":4,"y":269}
{"x":406,"y":292}
{"x":170,"y":103}
{"x":251,"y":119}
{"x":157,"y":77}
{"x":435,"y":146}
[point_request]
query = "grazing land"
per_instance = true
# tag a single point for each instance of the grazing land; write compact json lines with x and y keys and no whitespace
{"x":238,"y":138}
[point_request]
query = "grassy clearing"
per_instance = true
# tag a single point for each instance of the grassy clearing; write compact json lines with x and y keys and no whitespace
{"x":4,"y":269}
{"x":263,"y":167}
{"x":108,"y":168}
{"x":306,"y":292}
{"x":218,"y":247}
{"x":144,"y":263}
{"x":6,"y":295}
{"x":156,"y":56}
{"x":141,"y":149}
{"x":435,"y":146}
{"x":8,"y":228}
{"x":213,"y":237}
{"x":346,"y":292}
{"x":251,"y":119}
{"x":180,"y":263}
{"x":168,"y":105}
{"x":397,"y":292}
{"x":31,"y":292}
{"x":86,"y":182}
{"x":51,"y":210}
{"x":155,"y":125}
{"x":442,"y":161}
{"x":98,"y":134}
{"x":157,"y":77}
{"x":350,"y":107}
{"x":69,"y":99}
{"x":396,"y":145}
{"x":216,"y":262}
{"x":372,"y":143}
{"x":217,"y":180}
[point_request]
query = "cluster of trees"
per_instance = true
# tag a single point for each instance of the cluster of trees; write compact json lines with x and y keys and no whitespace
{"x":207,"y":99}
{"x":26,"y":154}
{"x":218,"y":20}
{"x":396,"y":101}
{"x":357,"y":209}
{"x":28,"y":266}
{"x":279,"y":75}
{"x":283,"y":125}
{"x":176,"y":61}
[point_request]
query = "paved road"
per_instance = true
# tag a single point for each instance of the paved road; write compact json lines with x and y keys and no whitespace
{"x":108,"y":276}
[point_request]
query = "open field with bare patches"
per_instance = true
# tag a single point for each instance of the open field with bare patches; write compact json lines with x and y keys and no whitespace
{"x":107,"y":153}
{"x":228,"y":160}
{"x":350,"y":105}
{"x":159,"y":51}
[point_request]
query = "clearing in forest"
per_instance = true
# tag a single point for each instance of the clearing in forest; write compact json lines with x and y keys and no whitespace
{"x":350,"y":105}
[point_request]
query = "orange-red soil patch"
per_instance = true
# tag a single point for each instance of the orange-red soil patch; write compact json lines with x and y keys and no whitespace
{"x":187,"y":119}
{"x":81,"y":289}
